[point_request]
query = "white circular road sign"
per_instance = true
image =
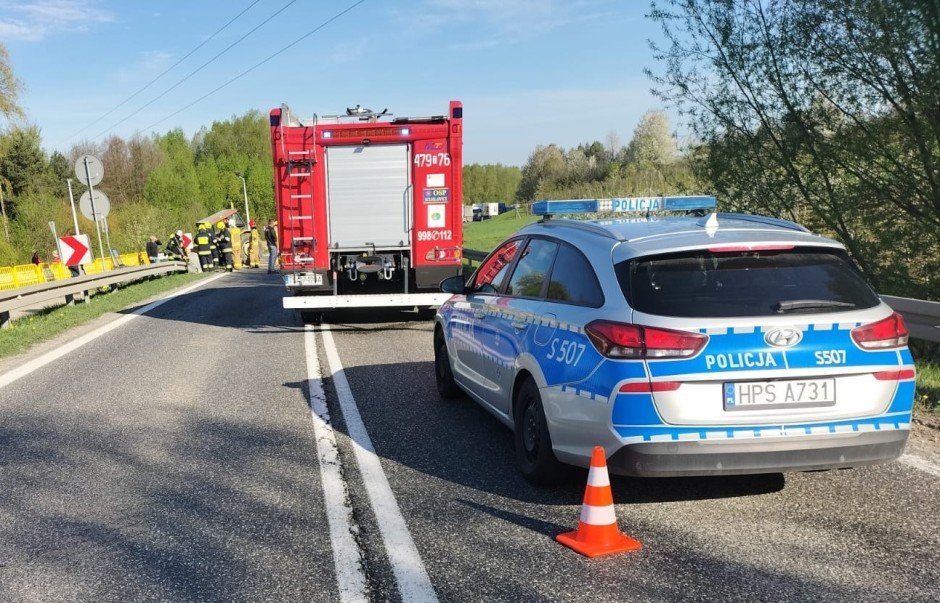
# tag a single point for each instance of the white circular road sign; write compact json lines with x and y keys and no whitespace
{"x":95,"y":170}
{"x":102,"y":206}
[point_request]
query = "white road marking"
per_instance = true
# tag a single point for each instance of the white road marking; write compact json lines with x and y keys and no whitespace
{"x":41,"y":361}
{"x":920,"y":463}
{"x":413,"y":581}
{"x":350,"y":578}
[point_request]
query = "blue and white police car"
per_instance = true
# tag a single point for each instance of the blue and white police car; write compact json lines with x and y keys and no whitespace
{"x":705,"y":344}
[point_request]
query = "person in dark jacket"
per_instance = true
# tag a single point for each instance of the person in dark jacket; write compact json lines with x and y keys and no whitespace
{"x":153,"y":249}
{"x":270,"y":237}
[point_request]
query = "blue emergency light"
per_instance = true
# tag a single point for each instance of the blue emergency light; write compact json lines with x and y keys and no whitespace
{"x":624,"y":205}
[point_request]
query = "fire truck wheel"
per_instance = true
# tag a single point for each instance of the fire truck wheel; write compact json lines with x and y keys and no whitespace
{"x":443,"y":374}
{"x":312,"y":317}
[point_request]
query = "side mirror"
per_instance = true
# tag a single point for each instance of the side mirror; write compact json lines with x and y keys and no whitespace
{"x":453,"y":284}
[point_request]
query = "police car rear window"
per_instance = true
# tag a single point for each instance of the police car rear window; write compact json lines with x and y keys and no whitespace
{"x":745,"y":283}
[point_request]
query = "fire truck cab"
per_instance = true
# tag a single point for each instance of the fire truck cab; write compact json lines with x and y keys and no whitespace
{"x":369,"y":207}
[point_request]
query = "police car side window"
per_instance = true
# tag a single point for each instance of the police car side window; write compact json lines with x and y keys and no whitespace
{"x":491,"y":274}
{"x":573,"y":280}
{"x":529,"y":276}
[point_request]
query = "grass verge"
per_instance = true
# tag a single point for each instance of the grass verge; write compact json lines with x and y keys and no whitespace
{"x":47,"y":323}
{"x":927,"y":397}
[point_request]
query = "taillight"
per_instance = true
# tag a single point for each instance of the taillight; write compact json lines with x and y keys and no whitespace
{"x":887,"y":333}
{"x":618,"y":340}
{"x":449,"y":254}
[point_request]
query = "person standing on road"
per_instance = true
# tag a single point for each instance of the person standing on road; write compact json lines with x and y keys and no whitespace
{"x":254,"y":246}
{"x":270,"y":237}
{"x":204,"y":247}
{"x":36,"y":259}
{"x":225,"y":247}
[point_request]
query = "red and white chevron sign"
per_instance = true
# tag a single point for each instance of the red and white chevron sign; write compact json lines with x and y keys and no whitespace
{"x":75,"y":250}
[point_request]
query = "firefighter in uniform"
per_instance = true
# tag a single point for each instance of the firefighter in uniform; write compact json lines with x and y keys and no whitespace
{"x":254,"y":246}
{"x":204,"y":247}
{"x":174,"y":247}
{"x":225,"y":246}
{"x":213,"y":243}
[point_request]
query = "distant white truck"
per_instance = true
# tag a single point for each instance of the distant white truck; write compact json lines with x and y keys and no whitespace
{"x":490,"y":210}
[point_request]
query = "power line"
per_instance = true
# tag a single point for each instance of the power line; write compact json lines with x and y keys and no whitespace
{"x":154,"y":80}
{"x":250,"y":69}
{"x":197,"y":70}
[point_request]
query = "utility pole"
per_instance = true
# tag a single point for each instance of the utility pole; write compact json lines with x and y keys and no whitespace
{"x":3,"y":208}
{"x":244,"y":190}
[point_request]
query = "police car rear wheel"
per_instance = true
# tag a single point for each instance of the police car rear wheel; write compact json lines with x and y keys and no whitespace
{"x":534,"y":455}
{"x":443,"y":374}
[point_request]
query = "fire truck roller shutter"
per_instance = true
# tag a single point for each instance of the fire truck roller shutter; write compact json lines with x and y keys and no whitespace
{"x":366,"y":193}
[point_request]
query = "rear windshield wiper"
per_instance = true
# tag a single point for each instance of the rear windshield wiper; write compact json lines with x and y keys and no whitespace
{"x":793,"y":305}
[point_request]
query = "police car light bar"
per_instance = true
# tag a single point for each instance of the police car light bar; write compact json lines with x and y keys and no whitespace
{"x":624,"y":205}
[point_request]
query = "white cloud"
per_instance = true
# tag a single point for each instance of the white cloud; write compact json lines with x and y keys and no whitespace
{"x":499,"y":22}
{"x":40,"y":19}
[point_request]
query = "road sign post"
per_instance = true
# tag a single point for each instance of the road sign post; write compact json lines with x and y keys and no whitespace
{"x":90,"y":167}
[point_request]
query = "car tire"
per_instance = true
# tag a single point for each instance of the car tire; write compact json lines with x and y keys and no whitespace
{"x":443,"y":374}
{"x":534,"y":455}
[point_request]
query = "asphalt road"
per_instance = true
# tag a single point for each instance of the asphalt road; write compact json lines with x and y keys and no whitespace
{"x":213,"y":448}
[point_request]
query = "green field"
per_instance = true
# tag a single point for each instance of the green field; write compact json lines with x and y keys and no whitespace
{"x":487,"y":234}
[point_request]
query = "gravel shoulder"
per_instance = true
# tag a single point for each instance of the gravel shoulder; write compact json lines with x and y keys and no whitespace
{"x":925,"y":437}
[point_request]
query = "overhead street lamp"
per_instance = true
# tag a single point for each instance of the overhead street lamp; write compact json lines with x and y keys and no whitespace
{"x":245,"y":190}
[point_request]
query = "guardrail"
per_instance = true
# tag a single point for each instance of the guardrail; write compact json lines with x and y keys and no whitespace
{"x":921,"y":317}
{"x":13,"y":277}
{"x":66,"y":289}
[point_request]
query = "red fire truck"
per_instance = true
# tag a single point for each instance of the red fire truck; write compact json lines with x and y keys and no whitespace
{"x":369,"y":207}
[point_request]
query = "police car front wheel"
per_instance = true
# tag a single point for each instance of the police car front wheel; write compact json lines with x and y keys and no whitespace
{"x":443,"y":374}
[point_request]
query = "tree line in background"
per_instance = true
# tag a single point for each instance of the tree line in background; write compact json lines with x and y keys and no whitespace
{"x":826,"y":112}
{"x":155,"y":184}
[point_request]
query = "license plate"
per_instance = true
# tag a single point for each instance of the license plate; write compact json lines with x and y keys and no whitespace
{"x":799,"y":392}
{"x":307,"y":280}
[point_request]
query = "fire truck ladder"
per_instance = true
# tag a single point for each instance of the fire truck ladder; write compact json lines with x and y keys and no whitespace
{"x":300,"y":189}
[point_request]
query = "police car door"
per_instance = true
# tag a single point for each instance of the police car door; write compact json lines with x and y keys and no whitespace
{"x":514,"y":316}
{"x":483,"y":309}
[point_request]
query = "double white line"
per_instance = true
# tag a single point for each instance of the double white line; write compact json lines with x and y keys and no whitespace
{"x":413,"y":581}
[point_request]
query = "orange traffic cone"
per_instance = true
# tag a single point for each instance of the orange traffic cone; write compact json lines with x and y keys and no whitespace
{"x":597,"y":534}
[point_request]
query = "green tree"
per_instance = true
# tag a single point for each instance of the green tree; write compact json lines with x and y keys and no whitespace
{"x":652,"y":143}
{"x":10,"y":87}
{"x":543,"y":171}
{"x":22,"y":160}
{"x":819,"y":110}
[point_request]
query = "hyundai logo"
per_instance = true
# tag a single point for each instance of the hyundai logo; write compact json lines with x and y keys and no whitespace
{"x":783,"y":337}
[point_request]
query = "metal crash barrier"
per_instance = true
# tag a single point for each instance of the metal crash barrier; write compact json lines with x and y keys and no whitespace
{"x":15,"y":298}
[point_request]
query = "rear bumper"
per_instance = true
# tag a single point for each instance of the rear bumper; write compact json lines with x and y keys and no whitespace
{"x":390,"y":300}
{"x":760,"y":455}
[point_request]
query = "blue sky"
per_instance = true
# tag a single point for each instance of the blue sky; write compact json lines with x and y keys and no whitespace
{"x":529,"y":72}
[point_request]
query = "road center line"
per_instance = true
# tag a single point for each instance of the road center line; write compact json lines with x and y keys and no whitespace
{"x":414,"y":585}
{"x":350,"y":578}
